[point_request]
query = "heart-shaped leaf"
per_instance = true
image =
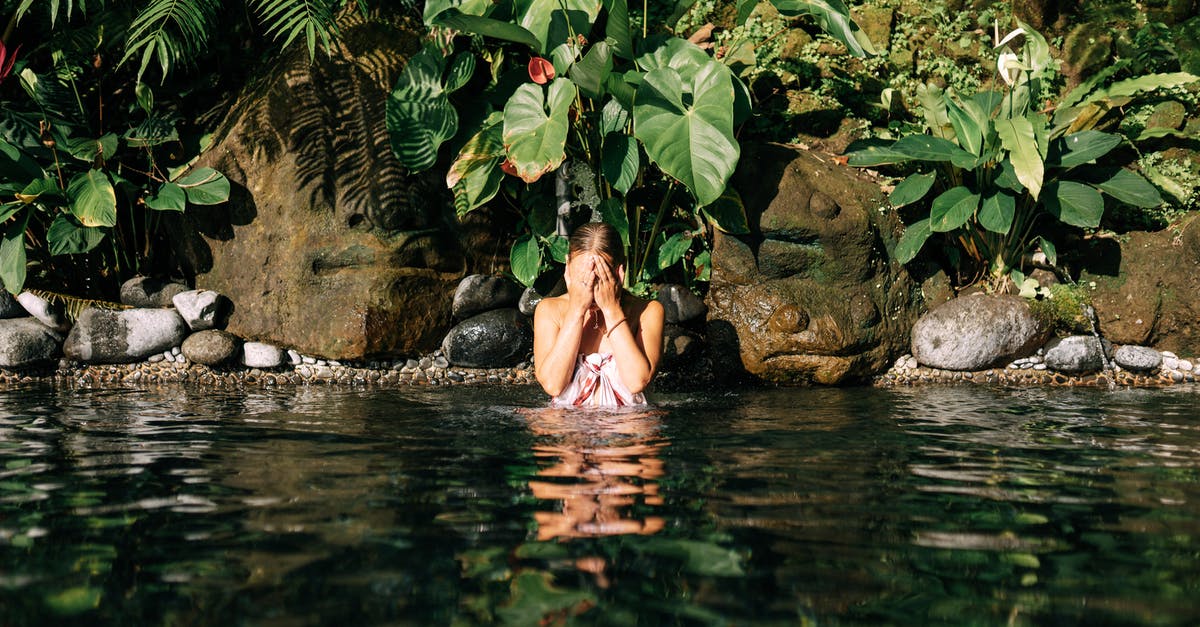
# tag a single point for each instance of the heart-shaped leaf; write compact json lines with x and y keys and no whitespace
{"x":535,"y":127}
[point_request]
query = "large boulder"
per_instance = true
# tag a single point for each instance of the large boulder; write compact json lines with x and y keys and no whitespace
{"x":479,"y":293}
{"x":493,"y":339}
{"x":976,"y":332}
{"x":101,"y":336}
{"x":203,"y":309}
{"x":328,"y":244}
{"x":1147,"y":287}
{"x":26,"y":341}
{"x":811,"y":295}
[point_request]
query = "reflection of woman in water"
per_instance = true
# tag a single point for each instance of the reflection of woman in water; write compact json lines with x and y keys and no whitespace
{"x":600,"y":467}
{"x":596,"y":346}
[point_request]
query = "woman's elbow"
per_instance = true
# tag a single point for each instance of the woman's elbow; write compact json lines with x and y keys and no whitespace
{"x":552,"y":388}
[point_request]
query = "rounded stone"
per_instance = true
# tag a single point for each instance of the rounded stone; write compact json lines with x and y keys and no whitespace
{"x":497,"y":338}
{"x":479,"y":293}
{"x":50,"y":314}
{"x":680,"y":304}
{"x":150,"y":292}
{"x":260,"y":355}
{"x":1138,"y":358}
{"x":211,"y":347}
{"x":976,"y":332}
{"x":26,"y":341}
{"x":203,"y":309}
{"x":1075,"y":354}
{"x":115,"y":337}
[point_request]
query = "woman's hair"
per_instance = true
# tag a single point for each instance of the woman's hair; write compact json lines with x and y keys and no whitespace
{"x":600,"y":238}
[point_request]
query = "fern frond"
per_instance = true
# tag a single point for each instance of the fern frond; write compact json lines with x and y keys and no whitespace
{"x":54,"y":8}
{"x":288,"y":19}
{"x":174,"y":31}
{"x":73,"y":306}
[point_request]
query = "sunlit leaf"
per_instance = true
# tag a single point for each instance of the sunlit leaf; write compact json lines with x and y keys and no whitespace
{"x":205,"y":186}
{"x":526,"y":259}
{"x":170,"y":197}
{"x":93,"y":199}
{"x":1017,"y":136}
{"x":952,"y":209}
{"x":536,"y":137}
{"x":997,"y":212}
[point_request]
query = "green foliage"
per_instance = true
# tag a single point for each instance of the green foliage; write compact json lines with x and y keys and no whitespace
{"x":1006,"y":177}
{"x":650,"y":120}
{"x":1061,"y":308}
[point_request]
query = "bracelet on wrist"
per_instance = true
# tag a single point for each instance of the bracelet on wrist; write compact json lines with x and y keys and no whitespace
{"x":613,"y":327}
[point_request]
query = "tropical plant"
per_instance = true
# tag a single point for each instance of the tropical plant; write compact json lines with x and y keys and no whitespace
{"x":95,"y":157}
{"x":647,"y":121}
{"x":1009,"y":170}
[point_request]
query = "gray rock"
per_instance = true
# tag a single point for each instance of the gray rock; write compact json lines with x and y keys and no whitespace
{"x":211,"y":347}
{"x":1140,"y":358}
{"x":680,"y":347}
{"x":203,"y":309}
{"x":495,"y":339}
{"x":1075,"y":354}
{"x":680,"y":304}
{"x":48,"y":313}
{"x":260,"y":355}
{"x":976,"y":332}
{"x":529,"y":301}
{"x":103,"y":336}
{"x":149,"y":292}
{"x":294,"y":358}
{"x":9,"y":307}
{"x":479,"y":293}
{"x":26,"y":341}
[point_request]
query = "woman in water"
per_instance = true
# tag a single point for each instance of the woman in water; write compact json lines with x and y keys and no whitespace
{"x":596,"y":346}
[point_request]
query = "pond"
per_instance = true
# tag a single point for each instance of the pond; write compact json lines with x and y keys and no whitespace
{"x":475,"y":505}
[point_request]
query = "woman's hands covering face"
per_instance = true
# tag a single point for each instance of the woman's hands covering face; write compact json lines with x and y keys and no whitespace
{"x":607,"y":290}
{"x":581,"y":278}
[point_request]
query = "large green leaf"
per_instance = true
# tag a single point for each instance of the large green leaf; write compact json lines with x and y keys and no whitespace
{"x":912,"y":241}
{"x":205,"y":186}
{"x":952,"y":209}
{"x":690,"y":141}
{"x":526,"y":259}
{"x":613,"y":117}
{"x":617,"y":28}
{"x":552,"y":22}
{"x":673,"y":250}
{"x":93,"y":199}
{"x":1006,"y":176}
{"x":1074,"y":203}
{"x":592,"y":71}
{"x":929,"y":148}
{"x":488,"y":27}
{"x":536,"y":138}
{"x":620,"y":161}
{"x":42,"y":190}
{"x":997,"y":212}
{"x":680,"y":55}
{"x":612,"y":211}
{"x":876,"y":155}
{"x":67,"y":237}
{"x":89,"y":149}
{"x":834,"y":18}
{"x":728,"y":213}
{"x":434,"y":8}
{"x":170,"y":197}
{"x":1146,"y":82}
{"x":1082,"y":147}
{"x":475,"y":176}
{"x":968,"y":131}
{"x":912,"y":189}
{"x":462,"y":67}
{"x":12,"y":253}
{"x":1127,"y":187}
{"x":1018,"y":138}
{"x":419,"y":114}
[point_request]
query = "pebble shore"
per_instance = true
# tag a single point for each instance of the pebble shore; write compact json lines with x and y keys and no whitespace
{"x":172,"y":367}
{"x":1030,"y":371}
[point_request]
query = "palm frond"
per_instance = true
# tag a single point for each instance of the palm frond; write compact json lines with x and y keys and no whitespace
{"x":54,"y":8}
{"x":173,"y":31}
{"x":73,"y":306}
{"x":288,"y":19}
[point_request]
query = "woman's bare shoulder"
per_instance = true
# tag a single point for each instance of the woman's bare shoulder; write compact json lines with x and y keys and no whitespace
{"x":552,"y":306}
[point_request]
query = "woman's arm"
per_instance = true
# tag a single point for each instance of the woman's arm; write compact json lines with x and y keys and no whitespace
{"x":637,"y":355}
{"x":558,"y":329}
{"x":556,"y":337}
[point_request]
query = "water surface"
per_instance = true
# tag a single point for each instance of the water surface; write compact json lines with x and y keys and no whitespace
{"x":475,"y":505}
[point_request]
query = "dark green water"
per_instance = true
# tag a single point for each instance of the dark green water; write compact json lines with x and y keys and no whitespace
{"x":452,"y":506}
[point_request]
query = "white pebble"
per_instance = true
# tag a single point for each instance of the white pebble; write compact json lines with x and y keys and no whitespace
{"x":294,"y":358}
{"x":1166,"y":354}
{"x":1185,"y":364}
{"x":1039,"y":366}
{"x":176,"y":351}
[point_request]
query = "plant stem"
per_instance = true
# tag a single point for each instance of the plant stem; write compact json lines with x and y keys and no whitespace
{"x":662,"y":210}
